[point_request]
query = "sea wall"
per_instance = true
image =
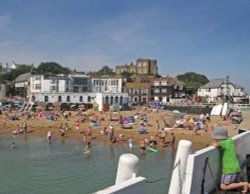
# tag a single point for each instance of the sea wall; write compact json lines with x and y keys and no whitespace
{"x":191,"y":109}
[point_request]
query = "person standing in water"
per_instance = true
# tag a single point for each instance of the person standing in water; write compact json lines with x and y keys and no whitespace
{"x":87,"y":147}
{"x":130,"y":144}
{"x":49,"y":136}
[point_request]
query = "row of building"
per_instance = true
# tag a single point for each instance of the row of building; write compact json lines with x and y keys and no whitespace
{"x":147,"y":86}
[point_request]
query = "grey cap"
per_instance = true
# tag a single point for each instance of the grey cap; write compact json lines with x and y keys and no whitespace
{"x":219,"y":133}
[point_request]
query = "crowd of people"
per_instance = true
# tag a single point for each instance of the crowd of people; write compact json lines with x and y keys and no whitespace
{"x":65,"y":119}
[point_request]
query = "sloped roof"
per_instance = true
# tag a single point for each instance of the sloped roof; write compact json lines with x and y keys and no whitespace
{"x":171,"y":81}
{"x":23,"y":77}
{"x":216,"y":83}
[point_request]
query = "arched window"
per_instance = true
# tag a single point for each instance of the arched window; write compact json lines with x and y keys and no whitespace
{"x":89,"y":98}
{"x":68,"y":99}
{"x":59,"y":98}
{"x":80,"y":99}
{"x":107,"y":99}
{"x":46,"y":99}
{"x":135,"y":98}
{"x":111,"y":100}
{"x":116,"y":99}
{"x":121,"y":100}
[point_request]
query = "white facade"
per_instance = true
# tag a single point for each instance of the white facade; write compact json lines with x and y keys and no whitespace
{"x":92,"y":97}
{"x":106,"y":85}
{"x":215,"y":90}
{"x":54,"y":84}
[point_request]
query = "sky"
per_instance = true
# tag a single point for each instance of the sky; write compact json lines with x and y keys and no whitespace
{"x":207,"y":37}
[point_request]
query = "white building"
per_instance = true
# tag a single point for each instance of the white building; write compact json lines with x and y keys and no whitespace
{"x":106,"y":84}
{"x":87,"y":98}
{"x":77,"y":89}
{"x":60,"y":83}
{"x":22,"y":85}
{"x":218,"y":90}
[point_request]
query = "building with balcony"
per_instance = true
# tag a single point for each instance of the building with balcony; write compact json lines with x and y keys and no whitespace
{"x":106,"y":84}
{"x":139,"y":93}
{"x":168,"y":89}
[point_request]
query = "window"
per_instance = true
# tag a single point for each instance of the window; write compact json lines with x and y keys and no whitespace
{"x":80,"y":99}
{"x":68,"y":99}
{"x":46,"y":98}
{"x":107,"y":99}
{"x":164,"y":90}
{"x":38,"y":86}
{"x":89,"y":98}
{"x":53,"y":81}
{"x":111,"y":100}
{"x":116,"y":99}
{"x":157,"y":90}
{"x":80,"y":81}
{"x":121,"y":100}
{"x":59,"y":98}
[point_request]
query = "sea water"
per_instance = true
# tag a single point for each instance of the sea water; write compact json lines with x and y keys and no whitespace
{"x":35,"y":166}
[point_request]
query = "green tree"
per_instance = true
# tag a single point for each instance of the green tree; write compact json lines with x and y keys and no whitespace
{"x":52,"y":68}
{"x":105,"y":70}
{"x":127,"y":75}
{"x":14,"y":73}
{"x":193,"y":81}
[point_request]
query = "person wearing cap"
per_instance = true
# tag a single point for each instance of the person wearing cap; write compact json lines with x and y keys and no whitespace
{"x":230,"y":164}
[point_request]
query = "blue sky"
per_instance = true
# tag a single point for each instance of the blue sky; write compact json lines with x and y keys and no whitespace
{"x":208,"y":37}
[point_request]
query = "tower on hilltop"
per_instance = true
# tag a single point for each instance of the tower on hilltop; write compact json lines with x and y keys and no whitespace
{"x":141,"y":67}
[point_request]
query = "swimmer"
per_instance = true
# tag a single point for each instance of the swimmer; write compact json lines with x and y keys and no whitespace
{"x":13,"y":145}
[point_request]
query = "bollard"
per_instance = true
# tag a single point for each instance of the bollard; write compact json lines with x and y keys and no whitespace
{"x":183,"y":151}
{"x":128,"y":167}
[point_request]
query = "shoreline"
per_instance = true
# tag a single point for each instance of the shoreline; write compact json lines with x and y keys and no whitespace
{"x":40,"y":127}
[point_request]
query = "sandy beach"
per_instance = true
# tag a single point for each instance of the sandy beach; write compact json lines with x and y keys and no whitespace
{"x":40,"y":127}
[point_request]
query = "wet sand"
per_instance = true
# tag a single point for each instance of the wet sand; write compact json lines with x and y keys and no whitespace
{"x":40,"y":127}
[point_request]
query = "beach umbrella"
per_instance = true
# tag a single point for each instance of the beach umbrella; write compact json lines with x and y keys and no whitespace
{"x":176,"y":111}
{"x":73,"y":105}
{"x":81,"y":106}
{"x":192,"y":120}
